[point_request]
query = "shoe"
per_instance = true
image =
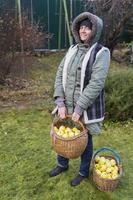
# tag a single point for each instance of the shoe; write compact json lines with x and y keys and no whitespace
{"x":57,"y":170}
{"x":77,"y":180}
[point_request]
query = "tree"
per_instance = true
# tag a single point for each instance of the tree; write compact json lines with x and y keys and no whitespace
{"x":115,"y":14}
{"x":10,"y":43}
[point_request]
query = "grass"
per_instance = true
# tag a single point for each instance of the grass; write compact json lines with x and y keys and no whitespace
{"x":26,"y":155}
{"x":26,"y":158}
{"x":40,"y":82}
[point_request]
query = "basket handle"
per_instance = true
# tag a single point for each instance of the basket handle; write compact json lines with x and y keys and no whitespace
{"x":118,"y":158}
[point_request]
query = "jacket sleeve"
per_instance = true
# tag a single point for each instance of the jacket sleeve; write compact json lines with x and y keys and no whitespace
{"x":58,"y":87}
{"x":97,"y":81}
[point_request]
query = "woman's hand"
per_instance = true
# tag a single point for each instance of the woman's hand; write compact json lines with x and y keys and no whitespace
{"x":75,"y":117}
{"x":62,"y":111}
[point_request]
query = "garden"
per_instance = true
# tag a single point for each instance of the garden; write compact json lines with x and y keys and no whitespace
{"x":27,"y":76}
{"x":26,"y":152}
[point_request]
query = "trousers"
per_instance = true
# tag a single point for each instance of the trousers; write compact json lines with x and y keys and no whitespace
{"x":85,"y":157}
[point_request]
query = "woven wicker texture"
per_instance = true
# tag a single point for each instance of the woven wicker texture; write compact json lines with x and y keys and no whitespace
{"x":104,"y":184}
{"x":69,"y":147}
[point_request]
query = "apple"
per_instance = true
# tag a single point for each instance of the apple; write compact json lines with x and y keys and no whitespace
{"x":108,"y":163}
{"x":103,"y":168}
{"x":97,"y":166}
{"x":71,"y":134}
{"x":102,"y":160}
{"x":114,"y":176}
{"x":65,"y":135}
{"x":77,"y":133}
{"x":98,"y":172}
{"x":116,"y":168}
{"x":106,"y":168}
{"x":66,"y":132}
{"x":62,"y":128}
{"x":56,"y":129}
{"x":97,"y":159}
{"x":112,"y":162}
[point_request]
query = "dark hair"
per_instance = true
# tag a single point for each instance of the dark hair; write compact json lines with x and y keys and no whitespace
{"x":86,"y":22}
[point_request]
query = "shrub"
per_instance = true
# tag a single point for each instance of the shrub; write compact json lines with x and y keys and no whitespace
{"x":11,"y":37}
{"x":119,"y":95}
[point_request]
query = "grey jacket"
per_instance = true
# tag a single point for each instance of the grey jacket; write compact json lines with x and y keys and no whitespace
{"x":68,"y":83}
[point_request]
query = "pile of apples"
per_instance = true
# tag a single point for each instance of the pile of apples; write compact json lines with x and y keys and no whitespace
{"x":106,"y":168}
{"x":66,"y":132}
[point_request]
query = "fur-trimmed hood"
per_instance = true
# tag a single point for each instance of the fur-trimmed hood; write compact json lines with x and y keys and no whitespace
{"x":97,"y":26}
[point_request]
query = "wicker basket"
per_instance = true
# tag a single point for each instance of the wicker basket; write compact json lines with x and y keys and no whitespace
{"x":69,"y":147}
{"x":104,"y":184}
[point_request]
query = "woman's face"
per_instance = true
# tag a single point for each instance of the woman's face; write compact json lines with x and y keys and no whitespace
{"x":85,"y":33}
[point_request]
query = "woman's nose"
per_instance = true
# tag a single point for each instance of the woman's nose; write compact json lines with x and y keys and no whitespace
{"x":83,"y":28}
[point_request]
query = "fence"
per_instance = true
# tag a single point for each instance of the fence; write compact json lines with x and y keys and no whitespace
{"x":55,"y":16}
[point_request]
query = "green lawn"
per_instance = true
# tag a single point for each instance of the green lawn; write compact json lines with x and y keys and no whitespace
{"x":26,"y":155}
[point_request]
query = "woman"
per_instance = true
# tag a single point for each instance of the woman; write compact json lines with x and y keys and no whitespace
{"x":79,"y":86}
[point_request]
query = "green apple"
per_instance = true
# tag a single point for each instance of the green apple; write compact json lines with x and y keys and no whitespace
{"x":97,"y":159}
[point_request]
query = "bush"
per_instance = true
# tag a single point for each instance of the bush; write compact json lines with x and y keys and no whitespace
{"x":119,"y":95}
{"x":15,"y":39}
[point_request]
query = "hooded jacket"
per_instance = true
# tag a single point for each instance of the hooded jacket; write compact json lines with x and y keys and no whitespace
{"x":91,"y":92}
{"x":97,"y":27}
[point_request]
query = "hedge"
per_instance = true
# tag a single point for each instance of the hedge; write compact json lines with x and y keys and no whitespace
{"x":119,"y":94}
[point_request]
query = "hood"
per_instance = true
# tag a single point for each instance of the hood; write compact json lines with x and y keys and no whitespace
{"x":97,"y":26}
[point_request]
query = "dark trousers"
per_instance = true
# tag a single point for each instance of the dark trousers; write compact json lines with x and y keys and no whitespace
{"x":85,"y":158}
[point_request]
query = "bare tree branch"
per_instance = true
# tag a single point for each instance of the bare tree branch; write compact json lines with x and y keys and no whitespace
{"x":115,"y":14}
